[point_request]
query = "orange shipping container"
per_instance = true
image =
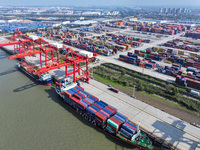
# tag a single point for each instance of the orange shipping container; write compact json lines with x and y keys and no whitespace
{"x":141,"y":64}
{"x":120,"y":23}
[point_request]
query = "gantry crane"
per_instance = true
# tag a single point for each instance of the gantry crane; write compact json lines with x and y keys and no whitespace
{"x":20,"y":41}
{"x":40,"y":46}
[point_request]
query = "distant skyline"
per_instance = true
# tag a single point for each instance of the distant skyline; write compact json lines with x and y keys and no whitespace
{"x":84,"y":3}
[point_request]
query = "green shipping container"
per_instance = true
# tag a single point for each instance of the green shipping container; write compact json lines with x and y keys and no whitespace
{"x":112,"y":124}
{"x":143,"y":51}
{"x":146,"y":55}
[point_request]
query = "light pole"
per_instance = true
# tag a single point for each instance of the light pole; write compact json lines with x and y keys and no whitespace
{"x":92,"y":73}
{"x":138,"y":126}
{"x":197,"y":117}
{"x":143,"y":68}
{"x":134,"y":91}
{"x":143,"y":65}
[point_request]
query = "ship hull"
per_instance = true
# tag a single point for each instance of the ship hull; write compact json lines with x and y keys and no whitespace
{"x":98,"y":127}
{"x":29,"y":75}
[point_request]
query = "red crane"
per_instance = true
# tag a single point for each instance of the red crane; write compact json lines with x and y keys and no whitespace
{"x":40,"y":46}
{"x":20,"y":41}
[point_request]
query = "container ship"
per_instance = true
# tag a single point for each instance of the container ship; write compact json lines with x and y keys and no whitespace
{"x":101,"y":115}
{"x":30,"y":70}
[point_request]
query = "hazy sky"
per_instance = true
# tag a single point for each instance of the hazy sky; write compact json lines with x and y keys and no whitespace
{"x":166,"y":3}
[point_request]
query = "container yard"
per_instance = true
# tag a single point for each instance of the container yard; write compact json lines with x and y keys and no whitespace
{"x":193,"y":34}
{"x":109,"y":44}
{"x":161,"y":28}
{"x":102,"y":48}
{"x":12,"y":27}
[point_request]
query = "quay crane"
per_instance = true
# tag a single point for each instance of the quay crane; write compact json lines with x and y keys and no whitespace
{"x":27,"y":46}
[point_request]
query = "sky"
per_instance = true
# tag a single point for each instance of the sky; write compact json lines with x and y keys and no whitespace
{"x":163,"y":3}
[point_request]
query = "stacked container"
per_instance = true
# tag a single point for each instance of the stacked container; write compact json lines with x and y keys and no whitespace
{"x":128,"y":130}
{"x":90,"y":112}
{"x":101,"y":116}
{"x":115,"y":122}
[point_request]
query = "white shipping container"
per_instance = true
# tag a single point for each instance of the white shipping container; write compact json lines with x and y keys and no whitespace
{"x":57,"y":45}
{"x":85,"y":53}
{"x":33,"y":37}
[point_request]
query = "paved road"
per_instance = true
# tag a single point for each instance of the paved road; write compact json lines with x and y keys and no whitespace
{"x":172,"y":130}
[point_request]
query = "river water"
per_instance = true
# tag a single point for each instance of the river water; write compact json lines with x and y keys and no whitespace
{"x":32,"y":117}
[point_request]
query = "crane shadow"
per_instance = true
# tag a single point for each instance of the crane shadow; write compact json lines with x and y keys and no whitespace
{"x":2,"y":55}
{"x":9,"y":71}
{"x":28,"y":85}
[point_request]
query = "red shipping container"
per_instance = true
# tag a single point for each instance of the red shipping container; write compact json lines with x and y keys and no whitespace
{"x":111,"y":109}
{"x":67,"y":94}
{"x":97,"y":106}
{"x":81,"y":87}
{"x":77,"y":96}
{"x":131,"y":126}
{"x":116,"y":121}
{"x":81,"y":94}
{"x":95,"y":97}
{"x":105,"y":113}
{"x":100,"y":116}
{"x":74,"y":99}
{"x":81,"y":105}
{"x":87,"y":102}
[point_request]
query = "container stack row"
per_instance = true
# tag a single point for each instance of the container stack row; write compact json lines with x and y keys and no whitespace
{"x":86,"y":44}
{"x":127,"y":39}
{"x":183,"y":44}
{"x":184,"y":81}
{"x":193,"y":34}
{"x":133,"y":59}
{"x":12,"y":27}
{"x":61,"y":34}
{"x":171,"y":56}
{"x":171,"y":71}
{"x":161,"y":28}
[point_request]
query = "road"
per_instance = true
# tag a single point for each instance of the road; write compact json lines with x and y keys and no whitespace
{"x":172,"y":130}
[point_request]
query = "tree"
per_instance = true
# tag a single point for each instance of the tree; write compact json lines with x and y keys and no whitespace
{"x":123,"y":72}
{"x":175,"y":91}
{"x":140,"y":87}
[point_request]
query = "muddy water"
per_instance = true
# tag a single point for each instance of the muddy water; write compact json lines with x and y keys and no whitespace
{"x":32,"y":117}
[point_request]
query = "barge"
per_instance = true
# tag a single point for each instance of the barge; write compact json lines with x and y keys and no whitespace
{"x":30,"y":70}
